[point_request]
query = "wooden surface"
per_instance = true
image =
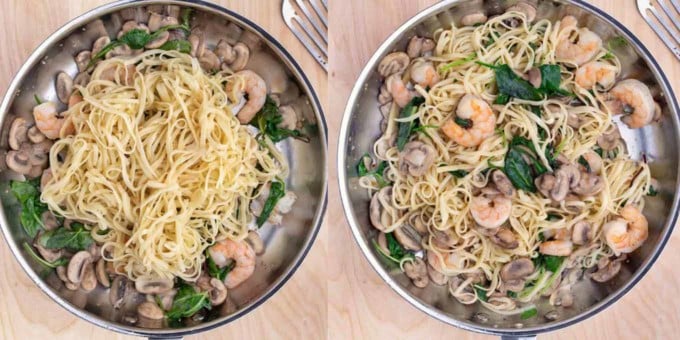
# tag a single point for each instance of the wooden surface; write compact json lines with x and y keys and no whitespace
{"x":361,"y":306}
{"x":297,"y":311}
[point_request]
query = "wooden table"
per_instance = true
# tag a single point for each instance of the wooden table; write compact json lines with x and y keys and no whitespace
{"x":361,"y":306}
{"x":298,"y":310}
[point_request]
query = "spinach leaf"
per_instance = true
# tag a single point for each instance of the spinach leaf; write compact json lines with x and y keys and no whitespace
{"x":481,"y":293}
{"x":37,"y":99}
{"x":187,"y":302}
{"x":135,"y":38}
{"x":652,"y":191}
{"x":549,"y":262}
{"x":405,"y":128}
{"x":551,"y":77}
{"x":397,"y":252}
{"x":502,"y":99}
{"x":215,"y":271}
{"x":552,"y":217}
{"x":182,"y":46}
{"x":529,"y":313}
{"x":599,"y":151}
{"x":277,"y":190}
{"x":268,"y":120}
{"x":458,"y":62}
{"x":511,"y":85}
{"x":28,"y":194}
{"x":582,"y":161}
{"x":377,"y":172}
{"x":37,"y":258}
{"x":526,"y":147}
{"x":362,"y":169}
{"x":462,"y":122}
{"x":76,"y":239}
{"x":511,"y":294}
{"x":518,"y":171}
{"x":459,"y":173}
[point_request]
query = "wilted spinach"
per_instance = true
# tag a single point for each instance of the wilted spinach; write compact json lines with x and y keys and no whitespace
{"x":182,"y":46}
{"x":397,"y":252}
{"x":277,"y":190}
{"x":28,"y":194}
{"x":268,"y":120}
{"x":405,"y":128}
{"x":76,"y":239}
{"x":60,"y":262}
{"x":187,"y":302}
{"x":215,"y":271}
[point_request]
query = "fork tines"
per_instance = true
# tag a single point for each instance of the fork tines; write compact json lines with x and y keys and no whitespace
{"x":669,"y":20}
{"x":311,"y":28}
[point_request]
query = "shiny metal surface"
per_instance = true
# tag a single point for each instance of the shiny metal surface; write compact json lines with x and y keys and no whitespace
{"x":645,"y":7}
{"x":315,"y":40}
{"x":659,"y":142}
{"x":285,"y":246}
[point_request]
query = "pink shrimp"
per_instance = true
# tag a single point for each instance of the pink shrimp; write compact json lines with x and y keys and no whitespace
{"x":240,"y":252}
{"x":48,"y":121}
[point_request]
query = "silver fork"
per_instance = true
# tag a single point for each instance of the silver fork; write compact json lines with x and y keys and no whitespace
{"x":669,"y":21}
{"x":314,"y":39}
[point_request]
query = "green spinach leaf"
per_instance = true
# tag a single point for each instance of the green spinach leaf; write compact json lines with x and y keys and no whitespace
{"x":37,"y":258}
{"x":459,"y":173}
{"x":28,"y":194}
{"x":518,"y":171}
{"x":549,"y":262}
{"x":652,"y":191}
{"x":511,"y":85}
{"x":182,"y":46}
{"x":462,"y":122}
{"x":405,"y":128}
{"x":277,"y":190}
{"x":215,"y":271}
{"x":268,"y":120}
{"x":529,"y":313}
{"x":187,"y":302}
{"x":481,"y":293}
{"x":458,"y":62}
{"x":76,"y":239}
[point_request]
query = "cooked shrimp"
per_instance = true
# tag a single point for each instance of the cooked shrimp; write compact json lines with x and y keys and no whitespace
{"x":451,"y":260}
{"x":556,"y":248}
{"x":633,"y":97}
{"x":241,"y":252}
{"x":490,"y":211}
{"x":424,"y":74}
{"x":626,"y":234}
{"x":396,"y":87}
{"x":256,"y":89}
{"x":595,"y":72}
{"x":48,"y":121}
{"x":583,"y":50}
{"x":482,"y":118}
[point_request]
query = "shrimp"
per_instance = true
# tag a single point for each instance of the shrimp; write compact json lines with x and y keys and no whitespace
{"x":451,"y":260}
{"x":396,"y":87}
{"x":595,"y":72}
{"x":581,"y":51}
{"x":633,"y":97}
{"x":424,"y":74}
{"x":626,"y":234}
{"x":241,"y":252}
{"x":482,"y":118}
{"x":490,"y":211}
{"x":256,"y":89}
{"x":48,"y":121}
{"x":556,"y":248}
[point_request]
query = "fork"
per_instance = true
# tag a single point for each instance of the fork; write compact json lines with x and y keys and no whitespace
{"x":669,"y":21}
{"x":315,"y":40}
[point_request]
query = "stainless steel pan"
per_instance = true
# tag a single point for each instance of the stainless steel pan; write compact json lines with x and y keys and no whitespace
{"x":659,"y":142}
{"x":285,"y":246}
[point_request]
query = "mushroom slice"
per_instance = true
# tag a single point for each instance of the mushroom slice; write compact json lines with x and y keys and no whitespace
{"x":61,"y":274}
{"x":289,"y":116}
{"x":120,"y":287}
{"x":197,"y":41}
{"x":49,"y":221}
{"x":380,"y":217}
{"x":571,"y":173}
{"x":562,"y":297}
{"x":19,"y":161}
{"x":102,"y":275}
{"x":155,"y":20}
{"x":218,"y":293}
{"x":393,"y":63}
{"x":416,"y":270}
{"x":225,"y":52}
{"x":416,"y":158}
{"x":98,"y":46}
{"x":34,"y":135}
{"x":437,"y":277}
{"x":50,"y":255}
{"x":512,"y":286}
{"x":609,"y":140}
{"x":255,"y":242}
{"x":83,"y":59}
{"x":242,"y":53}
{"x":517,"y":269}
{"x":173,"y":11}
{"x":589,"y":184}
{"x":502,"y":183}
{"x":159,"y":41}
{"x":546,"y":183}
{"x":528,"y":9}
{"x":89,"y":279}
{"x":473,"y":18}
{"x":408,"y":237}
{"x":594,"y":161}
{"x":77,"y":266}
{"x":505,"y":238}
{"x":150,"y":310}
{"x":581,"y":233}
{"x":148,"y":285}
{"x":418,"y":46}
{"x":607,"y":272}
{"x":382,"y":243}
{"x":18,"y":133}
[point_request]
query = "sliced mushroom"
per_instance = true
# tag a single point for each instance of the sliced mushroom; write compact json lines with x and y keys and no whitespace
{"x":525,"y":7}
{"x":120,"y":287}
{"x":99,"y":45}
{"x":155,"y":20}
{"x":416,"y":158}
{"x":443,"y":239}
{"x":49,"y":221}
{"x":382,"y":243}
{"x":255,"y":242}
{"x":562,"y":297}
{"x":89,"y":279}
{"x":50,"y":255}
{"x":225,"y":52}
{"x":148,"y":285}
{"x":589,"y":185}
{"x":150,"y":310}
{"x":83,"y":59}
{"x":437,"y":277}
{"x":34,"y":135}
{"x":418,"y":46}
{"x":594,"y":161}
{"x":39,"y":152}
{"x":218,"y":293}
{"x":61,"y":274}
{"x":502,"y":183}
{"x":132,"y":25}
{"x":609,"y":140}
{"x":197,"y":41}
{"x":572,"y":174}
{"x":19,"y":161}
{"x":517,"y":269}
{"x":166,"y":299}
{"x":561,"y":187}
{"x":473,"y":18}
{"x":607,"y":271}
{"x":159,"y":41}
{"x":574,"y":119}
{"x":379,"y":216}
{"x":102,"y":275}
{"x":545,"y":183}
{"x":408,"y":237}
{"x":512,"y":286}
{"x":416,"y":270}
{"x":534,"y":77}
{"x":465,"y":295}
{"x":173,"y":11}
{"x":77,"y":266}
{"x":233,"y":33}
{"x":289,"y":116}
{"x":242,"y":56}
{"x":18,"y":133}
{"x":505,"y":238}
{"x":393,"y":63}
{"x":581,"y":233}
{"x":45,"y":178}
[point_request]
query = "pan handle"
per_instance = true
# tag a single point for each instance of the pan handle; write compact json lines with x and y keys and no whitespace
{"x":522,"y":337}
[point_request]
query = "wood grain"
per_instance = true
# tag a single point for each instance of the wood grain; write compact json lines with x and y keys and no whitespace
{"x":297,"y":311}
{"x":361,"y":306}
